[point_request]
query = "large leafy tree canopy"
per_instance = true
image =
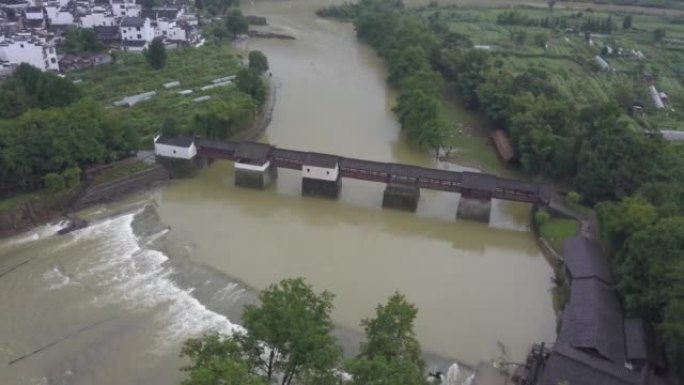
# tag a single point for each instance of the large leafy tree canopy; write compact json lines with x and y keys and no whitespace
{"x":46,"y":129}
{"x":288,"y":340}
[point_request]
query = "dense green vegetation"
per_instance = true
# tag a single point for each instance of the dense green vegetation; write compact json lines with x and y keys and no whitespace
{"x":288,"y":340}
{"x":566,"y":118}
{"x":81,"y":40}
{"x":48,"y":132}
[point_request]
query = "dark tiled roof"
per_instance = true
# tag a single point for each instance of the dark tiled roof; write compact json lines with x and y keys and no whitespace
{"x":321,"y":160}
{"x":160,"y":13}
{"x":476,"y":180}
{"x":12,"y":2}
{"x":34,"y":23}
{"x":641,"y":344}
{"x":107,"y":33}
{"x":132,"y":22}
{"x":134,"y":43}
{"x":252,"y":152}
{"x":34,"y":10}
{"x":178,"y":141}
{"x":584,"y":259}
{"x":405,"y":171}
{"x":592,"y":320}
{"x":577,"y":368}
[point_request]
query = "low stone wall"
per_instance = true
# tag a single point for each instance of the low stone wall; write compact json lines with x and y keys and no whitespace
{"x":113,"y":190}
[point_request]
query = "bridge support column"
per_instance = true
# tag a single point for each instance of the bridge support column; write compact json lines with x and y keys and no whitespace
{"x":321,"y":188}
{"x":400,"y":196}
{"x":477,"y":209}
{"x":254,"y":176}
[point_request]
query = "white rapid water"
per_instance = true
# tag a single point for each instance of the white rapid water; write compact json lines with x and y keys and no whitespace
{"x":138,"y":278}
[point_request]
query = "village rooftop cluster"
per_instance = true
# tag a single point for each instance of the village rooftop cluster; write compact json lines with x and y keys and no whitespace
{"x":32,"y":29}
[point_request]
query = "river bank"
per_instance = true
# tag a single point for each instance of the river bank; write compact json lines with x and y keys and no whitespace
{"x":47,"y":208}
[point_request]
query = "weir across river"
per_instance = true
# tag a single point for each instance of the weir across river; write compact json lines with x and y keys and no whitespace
{"x":256,"y":165}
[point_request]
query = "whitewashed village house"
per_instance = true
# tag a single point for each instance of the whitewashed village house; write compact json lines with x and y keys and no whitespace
{"x":136,"y":33}
{"x":27,"y":48}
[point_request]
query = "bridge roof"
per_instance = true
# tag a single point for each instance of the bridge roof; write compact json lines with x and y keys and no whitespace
{"x":403,"y":170}
{"x":360,"y":164}
{"x":178,"y":141}
{"x":479,"y":181}
{"x":584,"y":259}
{"x":447,"y":175}
{"x":316,"y":159}
{"x":592,"y":320}
{"x":252,"y":152}
{"x":226,"y":146}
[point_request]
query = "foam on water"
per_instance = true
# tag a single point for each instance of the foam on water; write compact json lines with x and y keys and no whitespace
{"x":39,"y":232}
{"x":452,"y":375}
{"x":138,"y":278}
{"x":57,"y":279}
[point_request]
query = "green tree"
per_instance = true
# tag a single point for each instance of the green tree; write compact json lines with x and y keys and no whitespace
{"x":258,"y":62}
{"x":250,"y":82}
{"x":540,"y":39}
{"x":216,"y":359}
{"x":156,"y":54}
{"x":169,"y":127}
{"x":391,"y":353}
{"x":72,"y":176}
{"x":80,"y":40}
{"x":648,"y":267}
{"x":148,"y":4}
{"x":289,"y":331}
{"x":620,"y":220}
{"x":236,"y":23}
{"x":659,"y":34}
{"x":672,"y":329}
{"x":54,"y":182}
{"x":627,"y":22}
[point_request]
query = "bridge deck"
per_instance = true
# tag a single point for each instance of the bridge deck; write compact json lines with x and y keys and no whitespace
{"x":470,"y":183}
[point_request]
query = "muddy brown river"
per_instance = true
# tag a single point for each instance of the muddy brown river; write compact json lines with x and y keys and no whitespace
{"x":112,"y":303}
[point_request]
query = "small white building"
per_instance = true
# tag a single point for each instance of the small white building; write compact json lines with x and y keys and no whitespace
{"x":135,"y":28}
{"x":57,"y":15}
{"x":321,"y":167}
{"x":181,"y":147}
{"x":24,"y":48}
{"x":124,"y":8}
{"x":100,"y":17}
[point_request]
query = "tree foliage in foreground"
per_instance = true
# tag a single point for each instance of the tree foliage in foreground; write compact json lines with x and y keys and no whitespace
{"x":258,"y":62}
{"x":288,"y":340}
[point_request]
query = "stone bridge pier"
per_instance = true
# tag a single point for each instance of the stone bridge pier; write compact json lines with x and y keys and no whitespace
{"x":401,"y":196}
{"x":253,"y":168}
{"x":477,"y":208}
{"x":321,"y":176}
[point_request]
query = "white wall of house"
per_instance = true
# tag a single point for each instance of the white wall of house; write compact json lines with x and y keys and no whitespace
{"x":126,"y":10}
{"x":146,"y":32}
{"x":170,"y":30}
{"x":320,"y":173}
{"x":97,"y":19}
{"x":40,"y":56}
{"x":35,"y":15}
{"x":58,"y":17}
{"x":175,"y":151}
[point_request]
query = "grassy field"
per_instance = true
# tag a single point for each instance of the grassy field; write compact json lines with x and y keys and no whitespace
{"x":557,"y":230}
{"x":570,"y":60}
{"x":131,"y":74}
